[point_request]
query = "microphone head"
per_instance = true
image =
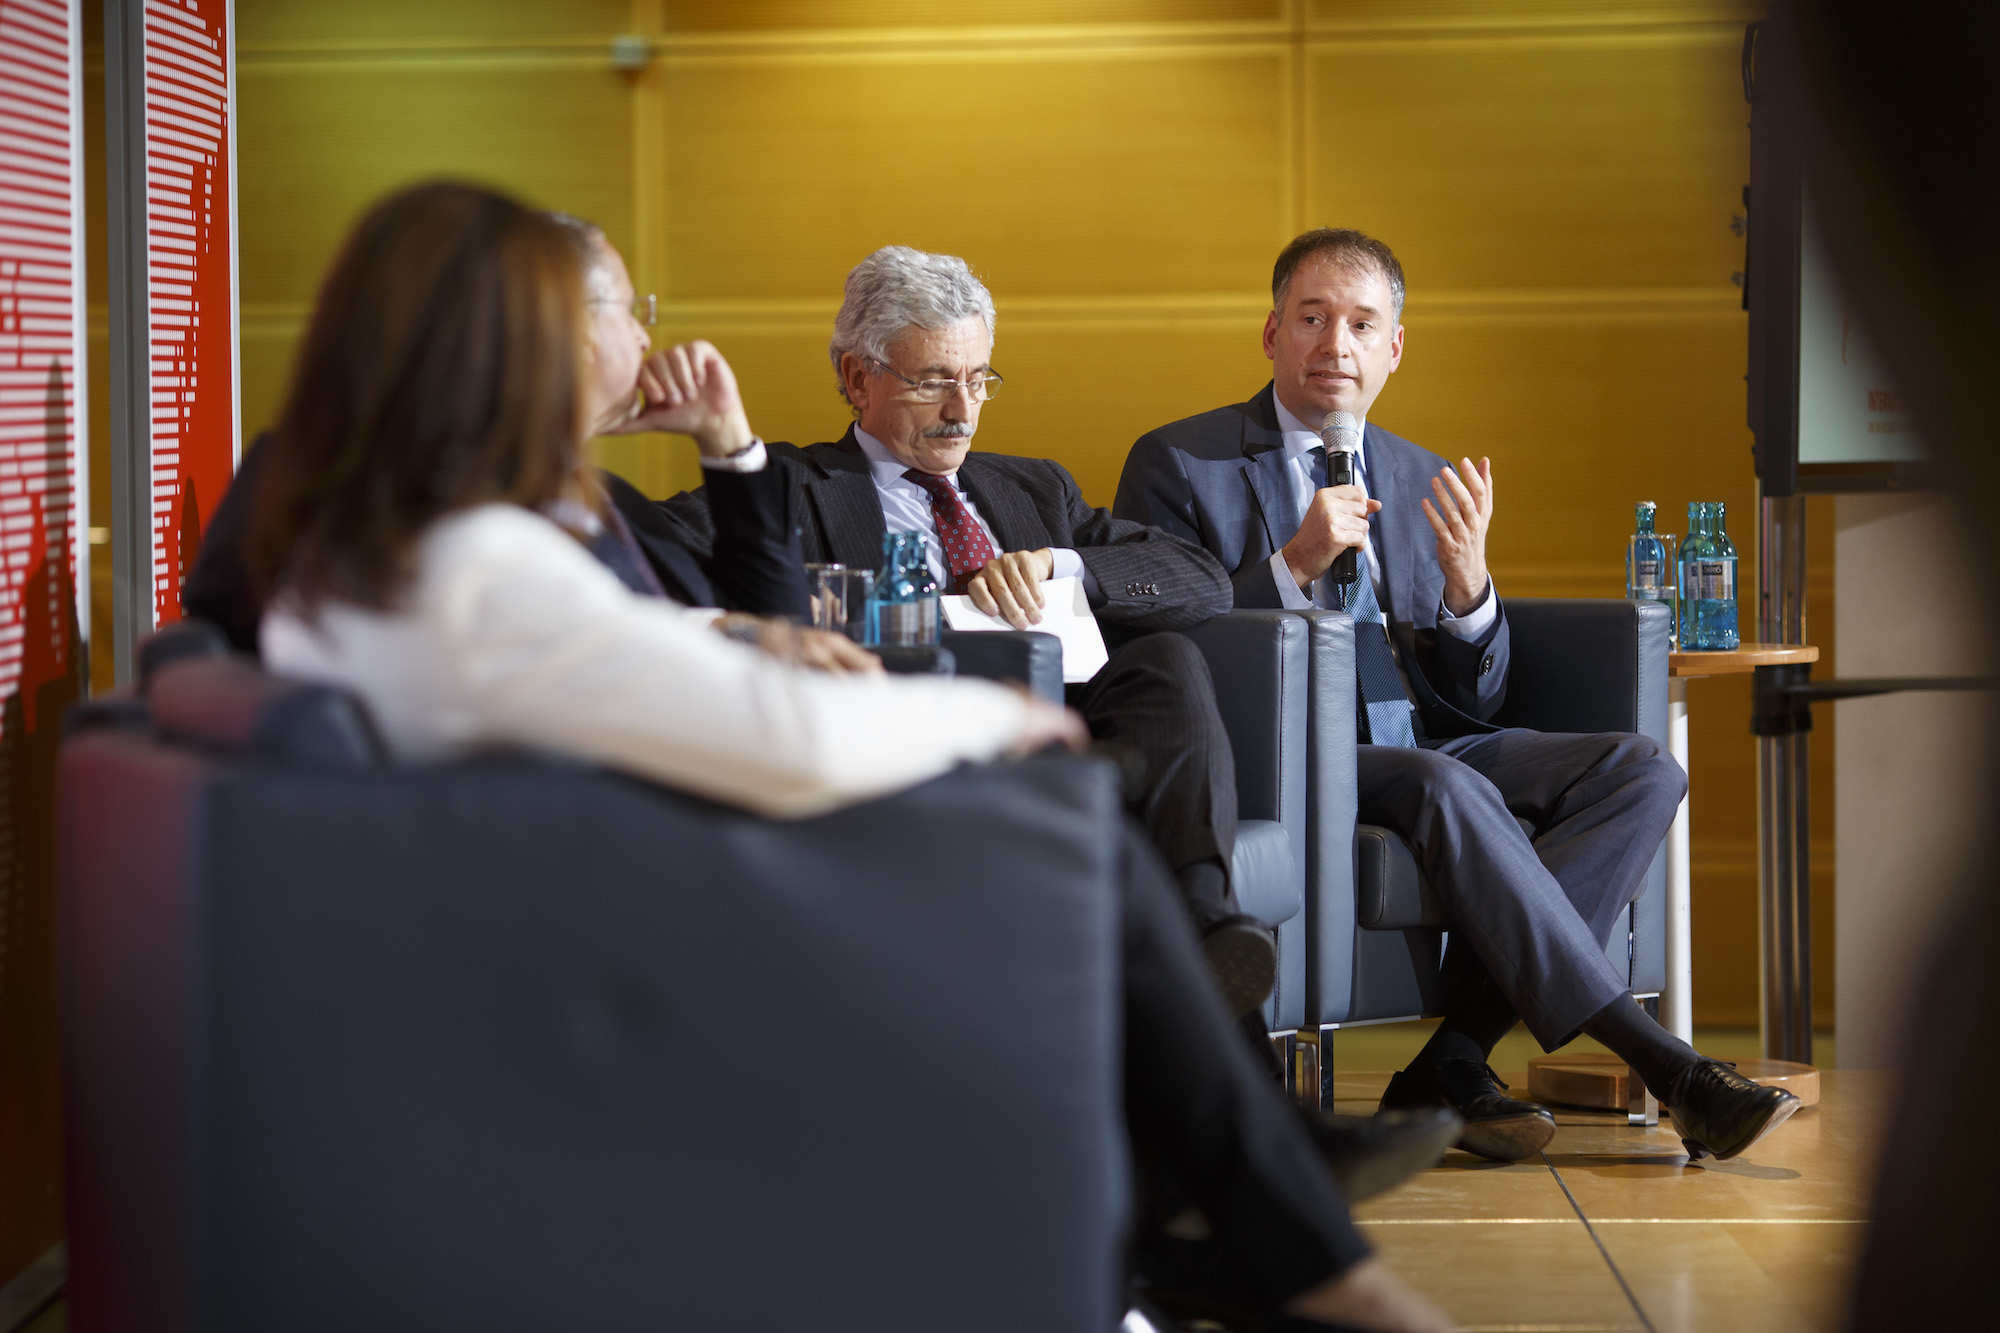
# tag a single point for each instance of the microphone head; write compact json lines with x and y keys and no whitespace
{"x":1341,"y":433}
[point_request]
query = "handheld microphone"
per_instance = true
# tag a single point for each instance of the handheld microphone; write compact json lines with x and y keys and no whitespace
{"x":1343,"y":447}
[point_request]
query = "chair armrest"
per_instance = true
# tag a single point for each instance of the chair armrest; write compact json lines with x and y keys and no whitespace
{"x":1257,"y":660}
{"x":1260,"y":662}
{"x":1587,"y":664}
{"x":1028,"y":656}
{"x":1264,"y":873}
{"x":229,"y":705}
{"x":1331,"y":787}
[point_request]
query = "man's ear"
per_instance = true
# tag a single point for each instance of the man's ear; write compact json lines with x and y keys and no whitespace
{"x":1396,"y":349}
{"x":1271,"y":336}
{"x":854,"y":376}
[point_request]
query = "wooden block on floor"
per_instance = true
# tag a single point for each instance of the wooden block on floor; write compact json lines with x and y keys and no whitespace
{"x":1603,"y":1081}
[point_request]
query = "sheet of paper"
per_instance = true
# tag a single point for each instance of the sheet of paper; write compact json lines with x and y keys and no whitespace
{"x":1065,"y":614}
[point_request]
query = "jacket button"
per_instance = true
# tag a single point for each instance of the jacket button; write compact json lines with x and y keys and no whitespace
{"x":1487,"y":665}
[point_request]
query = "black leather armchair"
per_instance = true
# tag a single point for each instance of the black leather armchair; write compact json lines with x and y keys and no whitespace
{"x":526,"y":1044}
{"x":1374,"y":933}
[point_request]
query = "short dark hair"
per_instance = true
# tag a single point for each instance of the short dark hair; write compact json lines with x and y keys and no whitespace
{"x":1346,"y":247}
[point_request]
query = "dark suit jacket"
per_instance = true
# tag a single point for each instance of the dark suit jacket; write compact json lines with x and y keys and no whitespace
{"x":1147,"y":580}
{"x":747,"y":557}
{"x":1219,"y":479}
{"x":757,"y":567}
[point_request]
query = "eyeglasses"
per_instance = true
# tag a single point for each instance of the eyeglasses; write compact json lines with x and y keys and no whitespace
{"x":979,"y":387}
{"x":646,"y":309}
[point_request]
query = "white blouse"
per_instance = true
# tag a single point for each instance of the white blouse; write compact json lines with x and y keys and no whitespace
{"x":511,"y":635}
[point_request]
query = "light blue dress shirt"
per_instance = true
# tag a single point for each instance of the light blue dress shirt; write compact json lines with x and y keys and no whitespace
{"x":1300,"y":441}
{"x":906,"y":507}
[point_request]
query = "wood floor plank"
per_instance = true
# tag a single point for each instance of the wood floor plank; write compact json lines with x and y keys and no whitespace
{"x":1764,"y":1241}
{"x":1497,"y":1275}
{"x":1785,"y":1277}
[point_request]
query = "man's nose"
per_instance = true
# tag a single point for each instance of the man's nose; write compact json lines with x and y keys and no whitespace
{"x":1342,"y":342}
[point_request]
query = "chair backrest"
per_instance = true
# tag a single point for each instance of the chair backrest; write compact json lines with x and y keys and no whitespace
{"x":1260,"y":662}
{"x":520,"y":1044}
{"x":1599,"y":664}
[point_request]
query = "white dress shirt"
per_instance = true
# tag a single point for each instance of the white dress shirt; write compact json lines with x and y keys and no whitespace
{"x":510,"y":635}
{"x":906,"y":507}
{"x":1300,"y":441}
{"x":750,"y":458}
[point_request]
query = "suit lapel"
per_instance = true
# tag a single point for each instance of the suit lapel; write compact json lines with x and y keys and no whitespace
{"x":850,"y":512}
{"x":1007,"y":508}
{"x":1265,"y":471}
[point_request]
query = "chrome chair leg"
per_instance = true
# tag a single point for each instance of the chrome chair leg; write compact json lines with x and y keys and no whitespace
{"x":1285,"y":1046}
{"x":1305,"y":1070}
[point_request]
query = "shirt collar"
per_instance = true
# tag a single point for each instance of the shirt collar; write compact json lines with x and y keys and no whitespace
{"x":887,"y":469}
{"x":1299,"y":437}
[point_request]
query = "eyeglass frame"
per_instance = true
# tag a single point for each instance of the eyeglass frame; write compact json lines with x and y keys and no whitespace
{"x":649,"y":304}
{"x":950,"y":386}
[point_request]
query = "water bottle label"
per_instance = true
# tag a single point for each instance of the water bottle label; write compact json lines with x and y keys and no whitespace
{"x":909,"y":622}
{"x":1713,"y":580}
{"x":1646,"y":573}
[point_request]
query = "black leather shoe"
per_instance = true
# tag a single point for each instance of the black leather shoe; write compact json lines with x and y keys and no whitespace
{"x":1719,"y":1113}
{"x":1243,"y":960}
{"x":1496,"y":1125}
{"x":1371,"y":1153}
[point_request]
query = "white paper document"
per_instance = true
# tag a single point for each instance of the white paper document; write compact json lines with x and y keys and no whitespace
{"x":1065,"y":614}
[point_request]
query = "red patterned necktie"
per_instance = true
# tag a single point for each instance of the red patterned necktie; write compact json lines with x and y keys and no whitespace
{"x":966,"y":545}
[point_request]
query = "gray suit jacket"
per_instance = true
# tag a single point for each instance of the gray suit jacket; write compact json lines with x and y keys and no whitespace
{"x":1147,"y":580}
{"x":1219,"y":479}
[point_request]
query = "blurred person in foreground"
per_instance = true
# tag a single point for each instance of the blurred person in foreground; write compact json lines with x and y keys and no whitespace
{"x":746,"y":559}
{"x":1537,"y":841}
{"x":912,"y":354}
{"x":416,"y":537}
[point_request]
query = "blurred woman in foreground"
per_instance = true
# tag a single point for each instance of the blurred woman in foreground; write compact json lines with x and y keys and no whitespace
{"x":414,"y":534}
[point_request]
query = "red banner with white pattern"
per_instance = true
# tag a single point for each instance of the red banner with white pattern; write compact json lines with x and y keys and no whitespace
{"x":44,"y":544}
{"x":190,"y":278}
{"x":44,"y":580}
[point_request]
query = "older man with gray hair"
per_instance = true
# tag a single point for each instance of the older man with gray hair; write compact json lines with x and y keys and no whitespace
{"x":912,"y":353}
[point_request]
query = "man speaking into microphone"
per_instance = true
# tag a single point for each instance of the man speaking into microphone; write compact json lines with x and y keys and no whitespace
{"x":1536,"y":841}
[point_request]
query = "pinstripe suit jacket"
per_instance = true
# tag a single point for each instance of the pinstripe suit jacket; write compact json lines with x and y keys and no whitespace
{"x":1147,"y":580}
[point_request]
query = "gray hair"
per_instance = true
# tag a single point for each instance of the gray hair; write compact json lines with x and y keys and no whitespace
{"x":896,"y":287}
{"x":588,"y":238}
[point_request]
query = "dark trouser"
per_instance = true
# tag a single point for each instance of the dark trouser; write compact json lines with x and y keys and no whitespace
{"x":1155,"y":698}
{"x":1536,"y":841}
{"x":1209,"y":1129}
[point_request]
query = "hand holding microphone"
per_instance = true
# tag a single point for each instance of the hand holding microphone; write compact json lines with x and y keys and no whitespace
{"x":1342,"y":443}
{"x":1336,"y":522}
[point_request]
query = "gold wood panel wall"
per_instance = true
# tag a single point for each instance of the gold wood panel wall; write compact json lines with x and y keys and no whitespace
{"x":1558,"y":178}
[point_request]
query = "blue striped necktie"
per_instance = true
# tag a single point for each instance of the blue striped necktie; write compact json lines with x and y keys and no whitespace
{"x":1386,"y":711}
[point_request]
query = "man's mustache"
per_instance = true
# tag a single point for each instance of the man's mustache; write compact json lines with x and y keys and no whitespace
{"x":949,"y":430}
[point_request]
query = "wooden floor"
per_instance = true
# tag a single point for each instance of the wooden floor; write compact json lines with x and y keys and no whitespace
{"x":1613,"y":1228}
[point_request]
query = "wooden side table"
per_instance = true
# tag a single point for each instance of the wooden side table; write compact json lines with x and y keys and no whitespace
{"x":1677,"y":1000}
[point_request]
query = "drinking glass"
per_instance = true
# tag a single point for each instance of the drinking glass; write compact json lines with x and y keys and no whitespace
{"x":840,"y":598}
{"x":1670,"y":590}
